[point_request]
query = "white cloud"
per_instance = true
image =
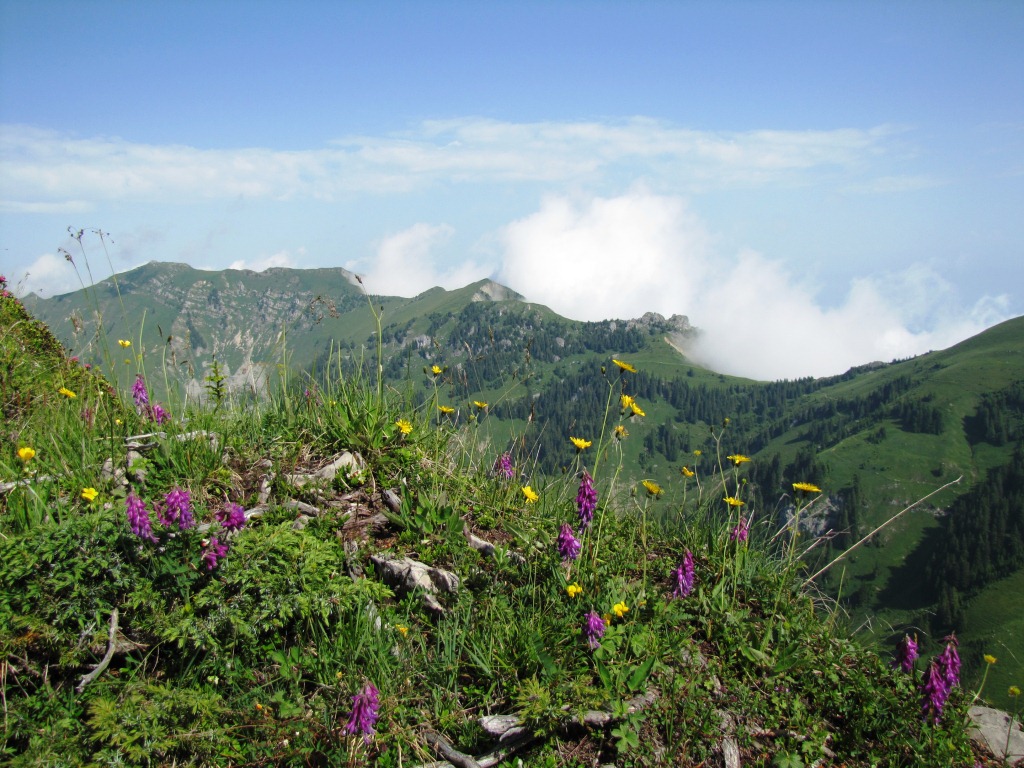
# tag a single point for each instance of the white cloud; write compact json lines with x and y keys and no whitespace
{"x":405,"y":263}
{"x":607,"y":257}
{"x":619,"y":257}
{"x":46,"y":170}
{"x":262,"y":264}
{"x":49,"y":275}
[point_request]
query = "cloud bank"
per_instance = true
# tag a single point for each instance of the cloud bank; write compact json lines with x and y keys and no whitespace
{"x":619,"y":257}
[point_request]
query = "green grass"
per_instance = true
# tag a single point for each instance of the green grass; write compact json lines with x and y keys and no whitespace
{"x":254,"y":659}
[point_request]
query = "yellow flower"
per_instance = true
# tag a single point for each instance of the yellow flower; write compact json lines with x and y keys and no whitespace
{"x":574,"y":590}
{"x":1014,"y":692}
{"x":806,"y":487}
{"x":66,"y":392}
{"x":687,"y":472}
{"x":620,"y":609}
{"x":580,"y":443}
{"x":607,"y":618}
{"x":90,"y":494}
{"x":732,"y":501}
{"x":445,"y":409}
{"x":125,"y":343}
{"x":118,"y":422}
{"x":621,"y":432}
{"x":479,"y":404}
{"x":738,"y":458}
{"x":626,"y":401}
{"x":404,"y":426}
{"x":653,"y":488}
{"x":530,"y":494}
{"x":990,"y":659}
{"x":437,"y":370}
{"x":403,"y":630}
{"x":697,"y":452}
{"x":637,"y":410}
{"x":624,"y":365}
{"x":26,"y":453}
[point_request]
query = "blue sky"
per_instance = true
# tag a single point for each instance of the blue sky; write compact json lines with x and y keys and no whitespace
{"x":816,"y":185}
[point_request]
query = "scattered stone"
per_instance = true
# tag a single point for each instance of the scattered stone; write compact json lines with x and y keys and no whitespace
{"x":729,"y":746}
{"x":408,"y":575}
{"x":989,"y":730}
{"x":350,"y":463}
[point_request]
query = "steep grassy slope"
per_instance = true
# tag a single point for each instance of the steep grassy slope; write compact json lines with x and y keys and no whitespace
{"x":213,"y":596}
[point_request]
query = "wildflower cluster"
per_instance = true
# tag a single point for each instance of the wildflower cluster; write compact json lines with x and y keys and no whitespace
{"x":586,"y":500}
{"x":152,"y":411}
{"x":942,"y":675}
{"x":175,"y":509}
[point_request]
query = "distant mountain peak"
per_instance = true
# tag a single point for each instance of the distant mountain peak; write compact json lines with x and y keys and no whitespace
{"x":488,"y":290}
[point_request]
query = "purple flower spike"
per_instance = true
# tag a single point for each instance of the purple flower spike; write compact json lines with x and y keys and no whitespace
{"x":934,"y":691}
{"x":139,"y":393}
{"x":906,"y":654}
{"x":365,"y":709}
{"x":158,"y":414}
{"x":503,"y":466}
{"x":177,"y":508}
{"x":593,"y":630}
{"x":138,"y":517}
{"x":568,"y":545}
{"x":213,"y":551}
{"x":586,"y":500}
{"x":684,"y":576}
{"x":231,"y":516}
{"x":949,"y":662}
{"x":741,"y":531}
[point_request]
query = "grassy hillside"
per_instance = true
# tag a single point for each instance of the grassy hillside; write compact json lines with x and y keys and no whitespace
{"x":213,"y":595}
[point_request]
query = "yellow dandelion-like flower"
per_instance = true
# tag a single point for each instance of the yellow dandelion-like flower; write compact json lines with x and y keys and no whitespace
{"x":698,"y":452}
{"x":90,"y":494}
{"x":118,"y":422}
{"x":732,"y":501}
{"x":404,"y":426}
{"x":620,"y":609}
{"x":574,"y":590}
{"x":125,"y":343}
{"x":738,"y":458}
{"x":624,"y":365}
{"x":990,"y":659}
{"x":580,"y":443}
{"x":1014,"y":692}
{"x":621,"y":432}
{"x":806,"y":487}
{"x":445,"y":409}
{"x":479,"y":404}
{"x":652,"y":488}
{"x":26,"y":453}
{"x":67,"y":393}
{"x":686,"y":472}
{"x":530,"y":494}
{"x":626,"y":401}
{"x":402,"y":629}
{"x":637,"y":410}
{"x":437,"y":370}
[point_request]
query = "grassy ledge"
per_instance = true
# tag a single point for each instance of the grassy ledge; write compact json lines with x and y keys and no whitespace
{"x":334,"y":577}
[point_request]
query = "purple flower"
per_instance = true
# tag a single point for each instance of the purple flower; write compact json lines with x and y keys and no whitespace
{"x":593,"y":630}
{"x":139,"y":393}
{"x":934,"y":690}
{"x":906,"y":653}
{"x":158,"y":414}
{"x":365,"y":707}
{"x":741,"y":531}
{"x":231,"y":516}
{"x":213,"y":551}
{"x":177,"y":507}
{"x":503,"y":466}
{"x":949,"y":662}
{"x":684,"y":576}
{"x":586,"y":500}
{"x":568,"y":545}
{"x":138,"y":517}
